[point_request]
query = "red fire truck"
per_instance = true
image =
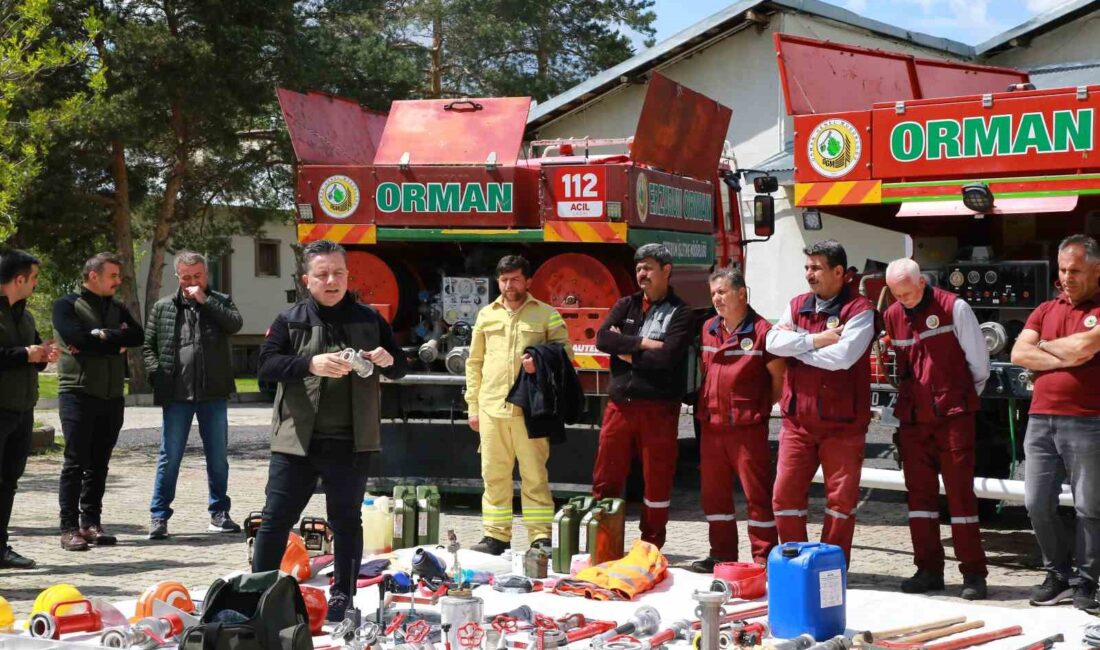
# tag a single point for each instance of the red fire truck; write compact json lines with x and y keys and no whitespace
{"x":429,"y":196}
{"x":982,"y":174}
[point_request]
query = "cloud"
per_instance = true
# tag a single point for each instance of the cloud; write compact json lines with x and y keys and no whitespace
{"x":857,"y":6}
{"x":1040,"y":6}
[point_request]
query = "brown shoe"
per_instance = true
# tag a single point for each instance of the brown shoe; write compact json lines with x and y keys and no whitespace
{"x":95,"y":534}
{"x":71,"y":540}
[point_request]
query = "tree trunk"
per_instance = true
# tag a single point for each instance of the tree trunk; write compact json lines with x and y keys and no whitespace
{"x":437,"y":51}
{"x":124,"y":244}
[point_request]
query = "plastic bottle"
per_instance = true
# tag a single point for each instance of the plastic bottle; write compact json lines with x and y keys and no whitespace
{"x":377,"y":526}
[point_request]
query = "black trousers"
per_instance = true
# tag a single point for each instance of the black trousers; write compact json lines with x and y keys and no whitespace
{"x":290,"y":484}
{"x":91,"y":427}
{"x":15,"y":446}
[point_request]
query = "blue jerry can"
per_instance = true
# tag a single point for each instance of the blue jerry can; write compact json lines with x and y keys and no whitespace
{"x":806,"y":590}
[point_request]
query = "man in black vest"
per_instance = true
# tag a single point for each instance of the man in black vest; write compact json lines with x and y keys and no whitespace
{"x":93,"y":331}
{"x":22,"y":356}
{"x":325,"y":420}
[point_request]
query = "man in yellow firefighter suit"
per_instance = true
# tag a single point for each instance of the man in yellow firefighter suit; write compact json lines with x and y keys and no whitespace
{"x":504,"y":329}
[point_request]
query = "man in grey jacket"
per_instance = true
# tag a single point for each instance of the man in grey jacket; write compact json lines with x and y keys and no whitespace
{"x":188,"y":356}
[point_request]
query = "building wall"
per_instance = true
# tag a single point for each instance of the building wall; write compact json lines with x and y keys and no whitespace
{"x":259,"y":299}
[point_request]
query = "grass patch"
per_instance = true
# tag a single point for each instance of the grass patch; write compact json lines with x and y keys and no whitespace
{"x":47,"y":385}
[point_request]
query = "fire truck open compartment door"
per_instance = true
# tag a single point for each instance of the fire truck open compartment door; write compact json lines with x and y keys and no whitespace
{"x":679,"y":130}
{"x":329,"y":130}
{"x":824,"y":77}
{"x":454,"y":132}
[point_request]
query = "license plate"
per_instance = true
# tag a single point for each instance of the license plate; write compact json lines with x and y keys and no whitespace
{"x":883,"y":398}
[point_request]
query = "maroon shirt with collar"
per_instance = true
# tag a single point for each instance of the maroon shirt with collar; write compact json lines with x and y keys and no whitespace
{"x":1066,"y":391}
{"x":737,"y":387}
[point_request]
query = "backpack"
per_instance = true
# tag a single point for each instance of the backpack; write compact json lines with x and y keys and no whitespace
{"x":270,"y":601}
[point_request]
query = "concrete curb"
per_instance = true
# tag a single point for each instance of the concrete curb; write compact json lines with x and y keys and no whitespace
{"x":146,"y":399}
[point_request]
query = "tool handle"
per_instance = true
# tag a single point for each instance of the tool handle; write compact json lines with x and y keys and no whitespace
{"x":942,"y":632}
{"x":1045,"y":644}
{"x":871,"y":636}
{"x":977,"y":639}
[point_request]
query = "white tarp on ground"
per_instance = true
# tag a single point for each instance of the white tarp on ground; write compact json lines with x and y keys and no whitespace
{"x":867,"y":609}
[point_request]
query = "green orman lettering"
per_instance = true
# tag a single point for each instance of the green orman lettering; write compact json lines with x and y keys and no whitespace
{"x":980,"y":139}
{"x":388,"y":197}
{"x":444,"y":197}
{"x":1073,"y":133}
{"x":943,"y":139}
{"x":500,"y":197}
{"x":473,"y":199}
{"x":413,"y":197}
{"x":1032,"y":134}
{"x":907,"y":142}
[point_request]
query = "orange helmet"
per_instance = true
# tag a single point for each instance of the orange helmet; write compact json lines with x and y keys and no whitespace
{"x":296,"y":558}
{"x":168,"y":591}
{"x":316,"y":607}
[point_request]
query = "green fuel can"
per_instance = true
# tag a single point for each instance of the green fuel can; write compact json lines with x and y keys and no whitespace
{"x":404,"y":516}
{"x":427,"y":515}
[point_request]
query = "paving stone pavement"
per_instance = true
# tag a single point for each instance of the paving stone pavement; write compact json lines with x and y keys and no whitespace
{"x":882,"y":552}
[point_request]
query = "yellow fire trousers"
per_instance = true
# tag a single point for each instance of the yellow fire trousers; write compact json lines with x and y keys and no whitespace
{"x":503,"y":442}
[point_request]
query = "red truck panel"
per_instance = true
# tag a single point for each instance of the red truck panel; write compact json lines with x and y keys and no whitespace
{"x":458,"y":197}
{"x":1033,"y":132}
{"x":338,"y":193}
{"x":454,"y":132}
{"x":679,"y":130}
{"x":330,"y":130}
{"x":834,"y":146}
{"x":823,"y":77}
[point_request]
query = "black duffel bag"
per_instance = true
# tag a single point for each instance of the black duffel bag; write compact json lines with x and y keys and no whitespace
{"x":252,"y":611}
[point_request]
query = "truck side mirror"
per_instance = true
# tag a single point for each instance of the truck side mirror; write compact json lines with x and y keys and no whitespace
{"x":763,"y":215}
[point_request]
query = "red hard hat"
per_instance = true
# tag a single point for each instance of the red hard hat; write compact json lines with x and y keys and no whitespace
{"x":296,"y":558}
{"x":316,"y":607}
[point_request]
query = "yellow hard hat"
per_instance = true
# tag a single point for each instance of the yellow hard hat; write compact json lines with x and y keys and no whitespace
{"x":50,"y":596}
{"x":7,"y":617}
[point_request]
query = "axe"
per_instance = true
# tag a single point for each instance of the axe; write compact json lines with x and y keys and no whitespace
{"x":869,"y":636}
{"x":909,"y":641}
{"x":957,"y":644}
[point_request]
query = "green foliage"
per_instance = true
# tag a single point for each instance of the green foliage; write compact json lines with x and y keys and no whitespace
{"x":29,"y":54}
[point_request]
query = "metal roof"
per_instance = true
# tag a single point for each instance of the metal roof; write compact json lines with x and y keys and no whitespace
{"x":720,"y":24}
{"x":1040,"y":24}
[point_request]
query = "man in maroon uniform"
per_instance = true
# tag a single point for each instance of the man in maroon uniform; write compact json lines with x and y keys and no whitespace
{"x":942,"y":366}
{"x":1059,"y":344}
{"x":826,"y":336}
{"x":741,"y":381}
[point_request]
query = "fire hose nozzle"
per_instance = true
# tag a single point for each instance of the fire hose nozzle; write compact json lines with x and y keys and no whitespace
{"x":645,"y":621}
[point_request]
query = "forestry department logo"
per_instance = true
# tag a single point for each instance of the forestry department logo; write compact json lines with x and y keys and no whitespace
{"x":835,"y":147}
{"x":641,"y":197}
{"x":338,"y":196}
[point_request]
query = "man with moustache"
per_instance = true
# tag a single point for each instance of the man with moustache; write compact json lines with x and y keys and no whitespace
{"x":93,"y":331}
{"x":741,"y":381}
{"x":826,"y":337}
{"x":22,"y":356}
{"x":1059,"y":344}
{"x":188,"y":356}
{"x":325,"y":422}
{"x":503,"y":331}
{"x":647,"y":335}
{"x":942,"y":365}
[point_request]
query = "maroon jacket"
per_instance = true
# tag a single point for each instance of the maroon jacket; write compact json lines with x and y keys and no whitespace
{"x":934,"y":380}
{"x":736,"y":387}
{"x":830,"y":399}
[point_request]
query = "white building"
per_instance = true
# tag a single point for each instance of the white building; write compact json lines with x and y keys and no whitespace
{"x":731,"y":57}
{"x":256,"y":273}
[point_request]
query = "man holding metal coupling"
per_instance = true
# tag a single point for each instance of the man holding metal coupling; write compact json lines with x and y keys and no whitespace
{"x":942,"y":366}
{"x":741,"y":381}
{"x":325,"y":422}
{"x":513,"y":322}
{"x":826,"y":337}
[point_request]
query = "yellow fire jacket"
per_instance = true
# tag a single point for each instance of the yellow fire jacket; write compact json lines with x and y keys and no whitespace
{"x":623,"y":579}
{"x":499,"y":338}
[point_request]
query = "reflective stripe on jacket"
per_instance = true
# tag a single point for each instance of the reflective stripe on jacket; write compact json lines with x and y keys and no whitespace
{"x":736,"y":387}
{"x":635,"y":573}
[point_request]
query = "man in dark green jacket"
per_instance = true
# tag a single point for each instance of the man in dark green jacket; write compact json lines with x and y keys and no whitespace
{"x":93,"y":331}
{"x":325,"y":420}
{"x":22,"y":356}
{"x":188,"y":357}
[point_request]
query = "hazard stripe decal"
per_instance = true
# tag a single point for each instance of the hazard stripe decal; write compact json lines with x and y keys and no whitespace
{"x":837,"y":193}
{"x":584,"y":232}
{"x":357,"y":233}
{"x":592,"y":362}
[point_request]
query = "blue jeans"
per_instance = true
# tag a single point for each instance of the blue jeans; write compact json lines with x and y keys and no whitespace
{"x":1059,"y":447}
{"x":214,"y":430}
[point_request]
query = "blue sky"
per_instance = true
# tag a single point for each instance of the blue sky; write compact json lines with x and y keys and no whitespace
{"x":966,"y":21}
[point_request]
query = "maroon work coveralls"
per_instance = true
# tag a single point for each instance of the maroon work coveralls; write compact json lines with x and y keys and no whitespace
{"x":936,"y":405}
{"x":826,"y":413}
{"x":733,"y":407}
